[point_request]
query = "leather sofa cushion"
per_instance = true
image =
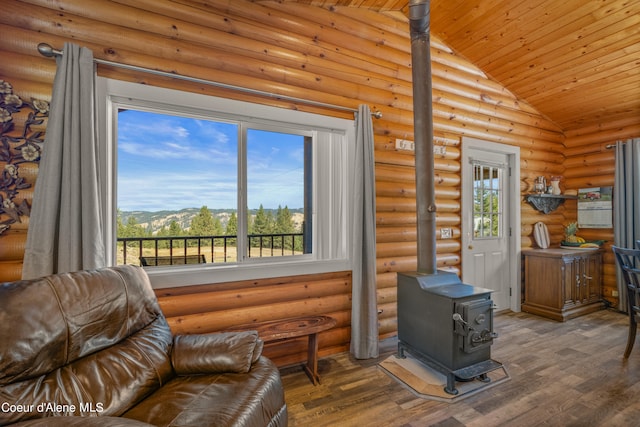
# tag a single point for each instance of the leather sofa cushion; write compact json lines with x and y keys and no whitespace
{"x":50,"y":322}
{"x":250,"y":399}
{"x":215,"y":353}
{"x":115,"y":378}
{"x":82,"y":339}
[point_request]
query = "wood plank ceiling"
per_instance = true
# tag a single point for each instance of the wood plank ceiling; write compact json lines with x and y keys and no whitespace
{"x":575,"y":61}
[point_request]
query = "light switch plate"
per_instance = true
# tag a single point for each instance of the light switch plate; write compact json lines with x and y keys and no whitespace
{"x":404,"y":144}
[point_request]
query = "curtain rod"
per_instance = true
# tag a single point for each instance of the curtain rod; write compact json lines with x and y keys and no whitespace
{"x":610,"y":146}
{"x":48,"y":51}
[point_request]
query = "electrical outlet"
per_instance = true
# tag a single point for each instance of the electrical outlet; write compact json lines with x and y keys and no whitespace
{"x":614,"y":293}
{"x":440,"y":150}
{"x":445,"y":233}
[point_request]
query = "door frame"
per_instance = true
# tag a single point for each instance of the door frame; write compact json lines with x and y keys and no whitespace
{"x":514,"y":196}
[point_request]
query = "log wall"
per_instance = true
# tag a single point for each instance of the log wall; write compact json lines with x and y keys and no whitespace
{"x":338,"y":56}
{"x":211,"y":308}
{"x":590,"y":163}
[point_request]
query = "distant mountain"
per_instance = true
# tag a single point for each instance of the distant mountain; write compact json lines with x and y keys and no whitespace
{"x":156,"y":220}
{"x":159,"y":219}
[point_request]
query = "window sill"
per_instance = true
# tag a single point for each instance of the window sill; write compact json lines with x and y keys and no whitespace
{"x":189,"y":275}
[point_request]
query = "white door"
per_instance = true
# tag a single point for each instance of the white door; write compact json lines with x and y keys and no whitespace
{"x":487,"y":258}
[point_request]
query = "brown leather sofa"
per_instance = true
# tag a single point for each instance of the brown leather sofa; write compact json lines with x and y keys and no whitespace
{"x":92,"y":348}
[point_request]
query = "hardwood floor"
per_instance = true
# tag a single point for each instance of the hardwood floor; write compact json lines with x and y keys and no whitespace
{"x":562,"y":374}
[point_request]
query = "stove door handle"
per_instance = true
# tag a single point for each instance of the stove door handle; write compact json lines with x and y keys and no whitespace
{"x":484,"y":336}
{"x":458,"y":318}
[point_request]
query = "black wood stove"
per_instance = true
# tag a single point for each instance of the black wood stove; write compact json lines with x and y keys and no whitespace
{"x":447,"y":325}
{"x":441,"y":321}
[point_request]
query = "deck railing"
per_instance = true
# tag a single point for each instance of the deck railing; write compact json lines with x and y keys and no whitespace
{"x":152,"y":251}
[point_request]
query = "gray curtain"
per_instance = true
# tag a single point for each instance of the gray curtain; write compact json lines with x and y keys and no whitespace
{"x":364,"y":311}
{"x":65,"y":226}
{"x":626,"y":199}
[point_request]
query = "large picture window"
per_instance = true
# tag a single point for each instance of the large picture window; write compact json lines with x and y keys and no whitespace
{"x":196,"y":183}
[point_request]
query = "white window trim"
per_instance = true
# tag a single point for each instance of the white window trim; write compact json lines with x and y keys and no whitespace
{"x":332,"y":215}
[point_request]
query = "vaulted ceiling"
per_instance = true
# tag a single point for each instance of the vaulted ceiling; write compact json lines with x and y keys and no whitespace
{"x":575,"y":61}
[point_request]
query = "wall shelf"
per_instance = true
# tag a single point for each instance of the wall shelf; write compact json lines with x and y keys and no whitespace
{"x":547,"y":202}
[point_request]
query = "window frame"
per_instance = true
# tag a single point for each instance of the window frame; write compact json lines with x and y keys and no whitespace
{"x":333,"y":152}
{"x":243,"y":182}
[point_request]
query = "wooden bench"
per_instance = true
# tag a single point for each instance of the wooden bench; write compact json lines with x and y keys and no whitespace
{"x":277,"y":330}
{"x":147,"y":261}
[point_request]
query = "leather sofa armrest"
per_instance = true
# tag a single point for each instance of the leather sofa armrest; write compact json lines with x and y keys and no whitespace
{"x":215,"y":353}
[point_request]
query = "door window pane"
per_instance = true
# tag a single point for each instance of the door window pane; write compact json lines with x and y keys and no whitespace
{"x":487,"y":201}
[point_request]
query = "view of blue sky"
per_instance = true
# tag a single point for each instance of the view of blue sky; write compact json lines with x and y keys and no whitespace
{"x":169,"y":163}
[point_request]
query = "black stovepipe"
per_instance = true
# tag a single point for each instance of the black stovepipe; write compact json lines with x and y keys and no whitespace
{"x":419,"y":19}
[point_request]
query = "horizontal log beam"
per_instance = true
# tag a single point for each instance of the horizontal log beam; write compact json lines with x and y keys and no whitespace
{"x":220,"y":300}
{"x":215,"y":321}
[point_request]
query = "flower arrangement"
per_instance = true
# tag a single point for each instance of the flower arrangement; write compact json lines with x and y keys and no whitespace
{"x":16,"y":148}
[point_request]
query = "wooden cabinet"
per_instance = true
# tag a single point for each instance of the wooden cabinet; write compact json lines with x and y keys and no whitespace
{"x":562,"y":283}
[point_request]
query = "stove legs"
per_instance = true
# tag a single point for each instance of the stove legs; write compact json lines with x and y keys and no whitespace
{"x":451,"y":384}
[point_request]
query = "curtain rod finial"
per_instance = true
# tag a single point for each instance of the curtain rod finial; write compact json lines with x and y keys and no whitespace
{"x":46,"y":50}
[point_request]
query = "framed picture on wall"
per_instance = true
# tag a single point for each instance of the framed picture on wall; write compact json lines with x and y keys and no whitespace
{"x":595,"y":207}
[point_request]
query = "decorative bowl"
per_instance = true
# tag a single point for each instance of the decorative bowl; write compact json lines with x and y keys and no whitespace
{"x":581,"y":245}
